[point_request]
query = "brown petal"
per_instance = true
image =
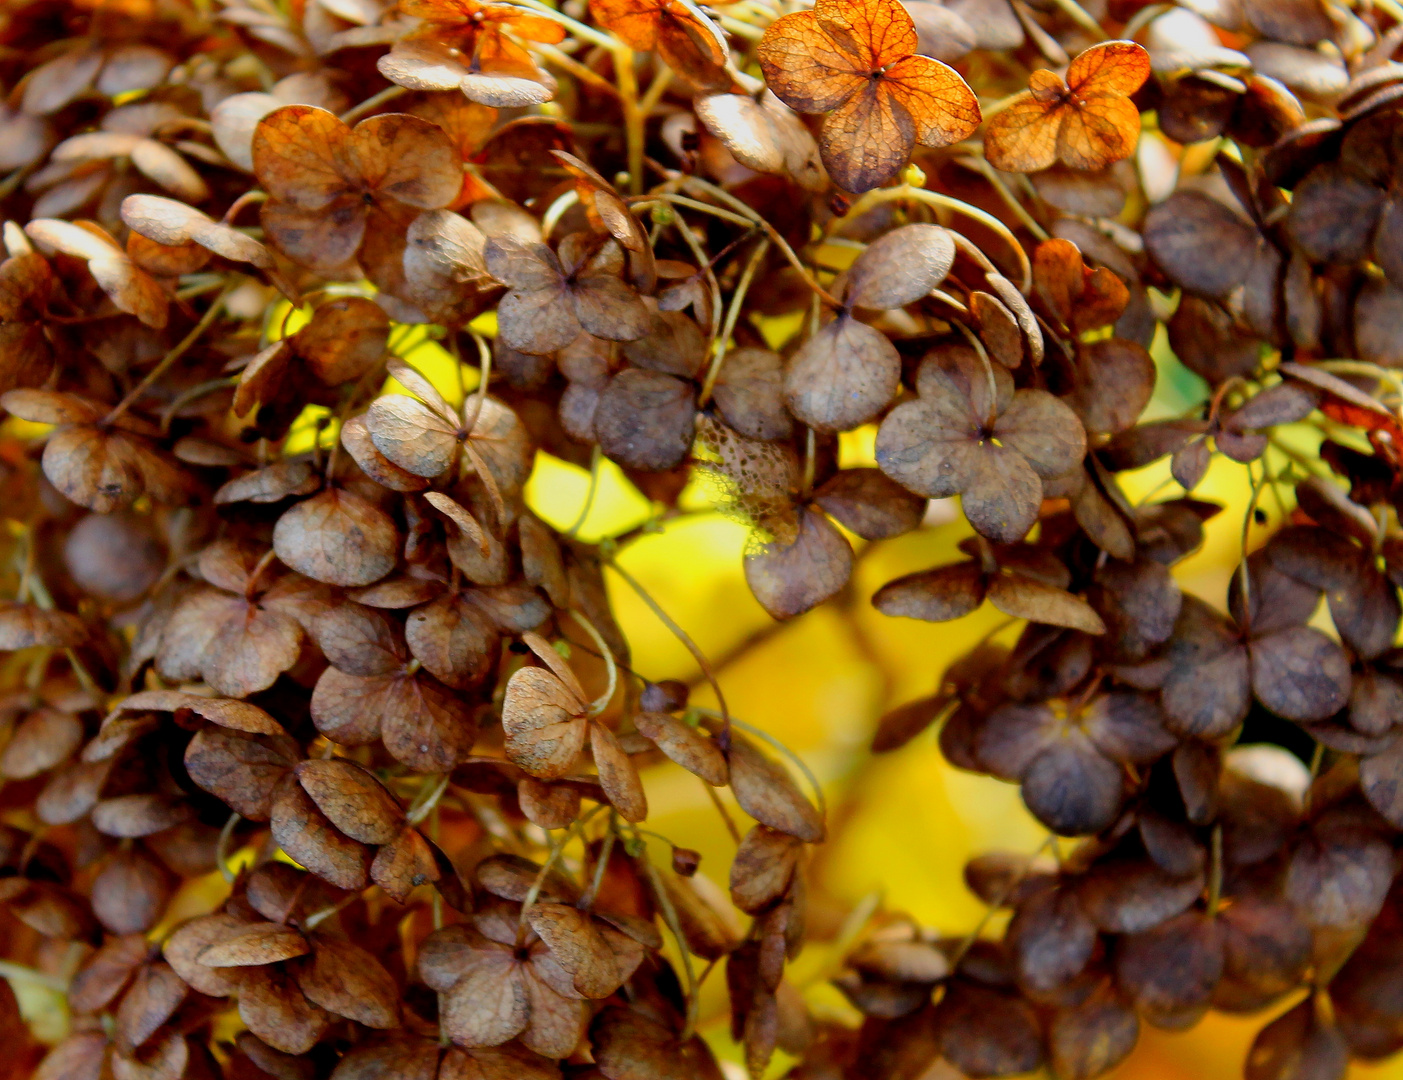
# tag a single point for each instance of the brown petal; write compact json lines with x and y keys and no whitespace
{"x":938,"y":595}
{"x":869,"y":503}
{"x":688,"y":746}
{"x":543,"y":722}
{"x":1300,"y":673}
{"x":1127,"y":896}
{"x":412,"y":435}
{"x":1115,"y":380}
{"x":1025,"y":598}
{"x":345,"y":339}
{"x":645,"y":419}
{"x":579,"y":947}
{"x":131,"y":816}
{"x":1092,"y":1037}
{"x":253,"y":945}
{"x":250,"y":650}
{"x":352,"y":799}
{"x":843,"y":376}
{"x":1170,"y":971}
{"x":275,"y":1010}
{"x":1298,"y":1043}
{"x":617,"y":773}
{"x":1050,"y":939}
{"x":426,"y":726}
{"x":155,"y":994}
{"x":301,"y":830}
{"x":355,"y":437}
{"x":454,"y":640}
{"x":789,"y":579}
{"x":239,"y":769}
{"x":347,"y":980}
{"x":749,"y":391}
{"x":901,"y":267}
{"x":488,"y":1005}
{"x":987,"y":1033}
{"x":763,"y":866}
{"x":1338,"y":878}
{"x":337,"y":537}
{"x":189,"y":940}
{"x":1071,"y":788}
{"x":130,"y":894}
{"x":765,"y":791}
{"x":43,"y":739}
{"x":551,"y":806}
{"x":105,"y":973}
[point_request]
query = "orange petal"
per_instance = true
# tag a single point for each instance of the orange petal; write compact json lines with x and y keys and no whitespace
{"x":1113,"y":67}
{"x":1099,"y":132}
{"x":302,"y":156}
{"x":806,"y":68}
{"x":942,"y":106}
{"x":867,"y":141}
{"x":1023,"y":138}
{"x":874,"y":33}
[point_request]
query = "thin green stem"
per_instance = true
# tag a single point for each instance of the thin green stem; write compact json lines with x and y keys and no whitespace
{"x":967,"y":942}
{"x":596,"y":460}
{"x":1215,"y":870}
{"x":372,"y":103}
{"x":557,"y":849}
{"x":691,"y":204}
{"x":427,"y":800}
{"x":948,"y":202}
{"x":583,"y":31}
{"x":697,"y":184}
{"x":566,"y":62}
{"x":602,"y":702}
{"x":1010,"y":199}
{"x":674,"y":924}
{"x":680,"y":634}
{"x":656,"y":89}
{"x":20,"y":973}
{"x":720,"y":345}
{"x":1079,"y":15}
{"x":761,"y":733}
{"x":634,"y":117}
{"x":216,"y":305}
{"x":597,"y":878}
{"x":685,"y":231}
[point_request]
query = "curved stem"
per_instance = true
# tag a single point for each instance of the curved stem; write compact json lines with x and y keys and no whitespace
{"x":1215,"y":870}
{"x":221,"y":849}
{"x":761,"y":733}
{"x":948,"y":202}
{"x":216,"y":305}
{"x":691,"y":204}
{"x":1079,"y":15}
{"x":602,"y":702}
{"x":566,"y":62}
{"x":427,"y":801}
{"x":595,"y":461}
{"x":556,"y":850}
{"x":719,"y":346}
{"x":978,"y":345}
{"x":577,"y":29}
{"x":675,"y":925}
{"x":370,"y":104}
{"x":1010,"y":199}
{"x":685,"y":231}
{"x":634,"y":117}
{"x":681,"y":636}
{"x":597,"y":878}
{"x":770,"y":231}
